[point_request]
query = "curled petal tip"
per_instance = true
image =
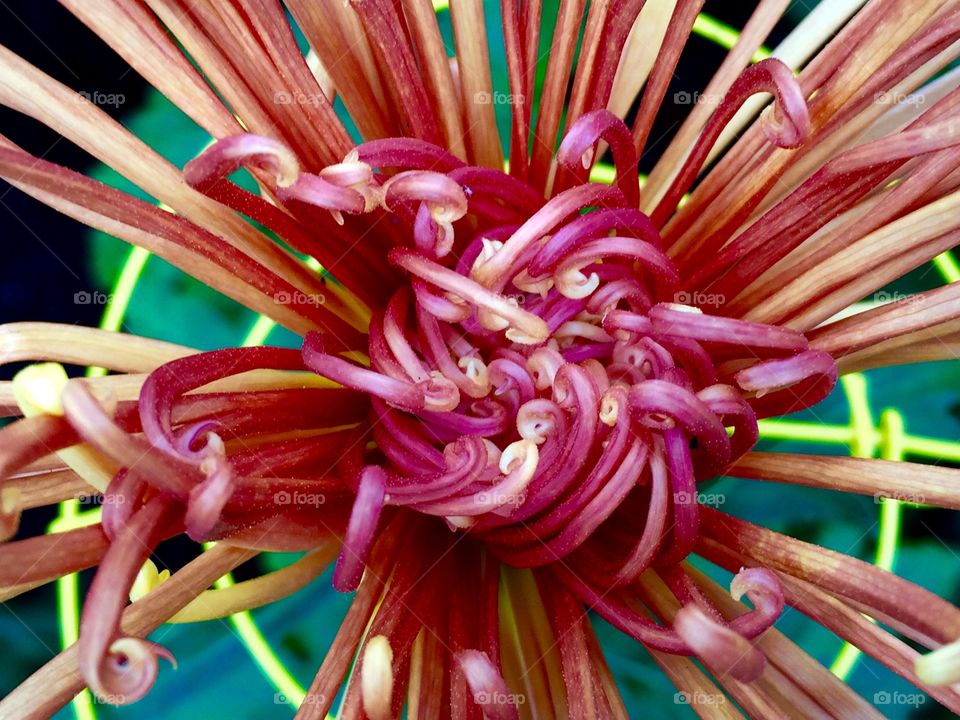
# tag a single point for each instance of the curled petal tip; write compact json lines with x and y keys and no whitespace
{"x":755,"y":580}
{"x":128,"y":671}
{"x":207,"y":499}
{"x":723,"y":650}
{"x":230,"y":154}
{"x":440,"y":394}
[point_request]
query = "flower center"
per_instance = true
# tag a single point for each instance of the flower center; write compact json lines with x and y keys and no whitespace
{"x":538,"y":374}
{"x":546,"y":384}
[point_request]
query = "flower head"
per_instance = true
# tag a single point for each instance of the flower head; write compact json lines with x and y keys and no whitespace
{"x":512,"y":380}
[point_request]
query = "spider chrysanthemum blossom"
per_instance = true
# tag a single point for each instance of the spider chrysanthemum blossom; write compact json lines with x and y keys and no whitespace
{"x":512,"y":378}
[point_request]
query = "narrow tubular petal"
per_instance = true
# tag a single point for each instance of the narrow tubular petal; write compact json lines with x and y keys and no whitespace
{"x":521,"y":90}
{"x":116,"y":667}
{"x":785,"y":385}
{"x":503,"y":264}
{"x":761,"y":22}
{"x":838,"y":74}
{"x":888,"y":321}
{"x":358,"y":539}
{"x":392,"y":49}
{"x":24,"y":441}
{"x":76,"y":345}
{"x":171,"y":237}
{"x":167,"y":384}
{"x":837,"y":185}
{"x":323,"y":689}
{"x":577,"y":150}
{"x":788,"y":127}
{"x":488,"y":688}
{"x":27,"y":90}
{"x":724,"y":651}
{"x":751,"y":696}
{"x":476,"y":86}
{"x":425,"y":35}
{"x":396,"y":392}
{"x":135,"y":33}
{"x":846,"y":622}
{"x":48,"y":557}
{"x":93,"y":422}
{"x":927,"y":617}
{"x":533,"y":330}
{"x":337,"y":36}
{"x":253,"y":40}
{"x":677,"y":30}
{"x":249,"y":594}
{"x":822,"y":686}
{"x":555,"y":84}
{"x":882,"y":479}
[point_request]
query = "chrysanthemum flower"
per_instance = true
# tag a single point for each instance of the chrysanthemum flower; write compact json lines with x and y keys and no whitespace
{"x":512,"y":379}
